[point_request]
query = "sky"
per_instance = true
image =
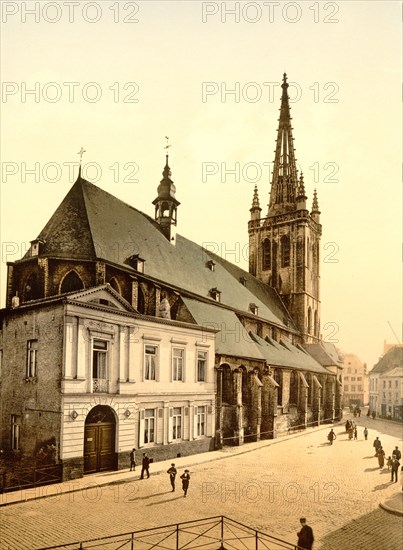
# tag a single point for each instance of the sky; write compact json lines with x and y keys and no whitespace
{"x":117,"y":77}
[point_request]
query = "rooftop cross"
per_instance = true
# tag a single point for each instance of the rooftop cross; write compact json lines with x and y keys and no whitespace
{"x":81,"y":152}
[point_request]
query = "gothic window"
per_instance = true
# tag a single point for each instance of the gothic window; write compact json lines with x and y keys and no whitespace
{"x":31,"y":289}
{"x":71,"y":282}
{"x":244,"y":384}
{"x":310,"y":388}
{"x":227,"y":390}
{"x":266,"y":255}
{"x":309,"y":320}
{"x":294,"y":388}
{"x":285,"y":251}
{"x":315,"y":324}
{"x":278,"y":377}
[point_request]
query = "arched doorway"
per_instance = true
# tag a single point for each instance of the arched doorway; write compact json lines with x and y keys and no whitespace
{"x":99,"y":440}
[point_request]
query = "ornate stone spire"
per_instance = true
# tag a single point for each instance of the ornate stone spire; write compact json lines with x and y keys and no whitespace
{"x":301,"y":187}
{"x":285,"y":180}
{"x":255,"y":210}
{"x":315,"y":212}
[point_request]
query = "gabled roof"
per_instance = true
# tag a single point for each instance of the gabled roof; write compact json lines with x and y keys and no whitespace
{"x":392,"y":359}
{"x":285,"y":354}
{"x":92,"y":224}
{"x":324,"y":353}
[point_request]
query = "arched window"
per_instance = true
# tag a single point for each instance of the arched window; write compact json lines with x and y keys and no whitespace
{"x":309,"y":379}
{"x":266,"y":255}
{"x":71,"y":282}
{"x":115,"y":285}
{"x":245,"y":387}
{"x":278,"y":377}
{"x":285,"y":251}
{"x":294,"y":388}
{"x":315,"y":324}
{"x":31,"y":288}
{"x":309,"y":320}
{"x":227,"y":385}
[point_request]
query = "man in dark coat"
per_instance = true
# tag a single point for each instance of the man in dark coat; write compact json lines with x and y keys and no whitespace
{"x":172,"y":475}
{"x":305,"y":536}
{"x":397,"y":453}
{"x":377,"y":444}
{"x":145,"y":466}
{"x":185,"y":477}
{"x":394,"y":468}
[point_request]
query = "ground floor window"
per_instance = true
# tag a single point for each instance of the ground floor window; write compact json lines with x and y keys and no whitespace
{"x":15,"y":432}
{"x":177,"y":423}
{"x":201,"y":421}
{"x":149,"y":425}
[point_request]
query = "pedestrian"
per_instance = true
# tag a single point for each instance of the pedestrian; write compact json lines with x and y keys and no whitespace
{"x":376,"y":444}
{"x":389,"y":462}
{"x":355,"y":413}
{"x":397,"y":453}
{"x":350,"y":433}
{"x":355,"y":433}
{"x":394,"y":467}
{"x":381,"y":457}
{"x":145,"y":466}
{"x":373,"y":414}
{"x":305,"y":536}
{"x":331,"y":436}
{"x":359,"y":412}
{"x":369,"y":413}
{"x":348,"y":424}
{"x":185,"y":477}
{"x":365,"y":433}
{"x":172,"y":475}
{"x":133,"y":459}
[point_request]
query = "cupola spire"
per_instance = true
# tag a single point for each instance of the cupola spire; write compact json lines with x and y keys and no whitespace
{"x":166,"y":203}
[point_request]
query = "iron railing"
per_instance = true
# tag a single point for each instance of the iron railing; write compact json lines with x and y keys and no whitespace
{"x":30,"y":477}
{"x":215,"y":533}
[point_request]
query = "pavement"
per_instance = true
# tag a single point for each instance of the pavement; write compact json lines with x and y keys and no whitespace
{"x":268,"y":485}
{"x":393,"y":504}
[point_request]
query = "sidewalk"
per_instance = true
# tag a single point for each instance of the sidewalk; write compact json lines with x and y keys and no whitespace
{"x":393,"y":504}
{"x":123,"y":476}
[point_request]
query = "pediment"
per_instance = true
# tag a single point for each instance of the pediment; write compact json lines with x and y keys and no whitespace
{"x":103,"y":295}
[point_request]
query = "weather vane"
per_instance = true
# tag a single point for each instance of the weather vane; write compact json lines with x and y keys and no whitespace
{"x":167,"y":146}
{"x":81,"y":152}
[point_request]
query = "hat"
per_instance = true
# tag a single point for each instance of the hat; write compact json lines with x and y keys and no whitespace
{"x":172,"y":464}
{"x":186,"y":470}
{"x":303,"y":519}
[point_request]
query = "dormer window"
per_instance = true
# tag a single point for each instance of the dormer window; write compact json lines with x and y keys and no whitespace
{"x":242,"y":280}
{"x":136,"y":262}
{"x":211,"y":265}
{"x":254,"y":309}
{"x":36,"y":247}
{"x":215,"y":294}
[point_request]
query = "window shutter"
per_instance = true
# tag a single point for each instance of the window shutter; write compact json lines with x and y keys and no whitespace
{"x":194,"y":422}
{"x":141,"y":429}
{"x":170,"y":425}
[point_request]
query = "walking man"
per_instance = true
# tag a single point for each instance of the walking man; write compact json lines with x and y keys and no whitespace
{"x":172,"y":475}
{"x":394,"y":468}
{"x":145,"y":466}
{"x":331,"y":436}
{"x":397,"y":453}
{"x":376,"y":444}
{"x":365,"y":433}
{"x":133,"y":460}
{"x":305,"y":536}
{"x":185,"y":477}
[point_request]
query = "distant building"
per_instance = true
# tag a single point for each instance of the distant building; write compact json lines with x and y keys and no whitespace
{"x":386,"y":385}
{"x":355,"y":381}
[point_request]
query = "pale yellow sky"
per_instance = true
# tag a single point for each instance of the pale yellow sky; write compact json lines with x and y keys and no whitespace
{"x":118,"y":87}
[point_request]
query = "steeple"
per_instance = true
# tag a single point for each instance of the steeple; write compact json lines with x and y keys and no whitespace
{"x":284,"y":183}
{"x":166,"y":204}
{"x":255,"y":210}
{"x":301,"y":196}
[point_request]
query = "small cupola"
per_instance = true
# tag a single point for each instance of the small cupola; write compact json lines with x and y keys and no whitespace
{"x":166,"y":205}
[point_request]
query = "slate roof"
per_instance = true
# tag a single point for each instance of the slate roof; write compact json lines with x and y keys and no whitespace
{"x":93,"y":224}
{"x":284,"y":354}
{"x":324,"y":353}
{"x":392,"y":359}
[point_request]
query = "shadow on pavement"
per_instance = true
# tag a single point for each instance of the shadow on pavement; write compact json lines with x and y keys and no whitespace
{"x":371,"y":469}
{"x":382,"y":486}
{"x":373,"y":531}
{"x":166,"y":500}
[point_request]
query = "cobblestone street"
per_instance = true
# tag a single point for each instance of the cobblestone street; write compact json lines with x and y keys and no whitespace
{"x":269,"y":487}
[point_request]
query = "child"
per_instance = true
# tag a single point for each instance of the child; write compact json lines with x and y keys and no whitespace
{"x":389,"y":462}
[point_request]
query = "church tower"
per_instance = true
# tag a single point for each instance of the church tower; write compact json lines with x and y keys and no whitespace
{"x":284,"y":246}
{"x":166,"y":205}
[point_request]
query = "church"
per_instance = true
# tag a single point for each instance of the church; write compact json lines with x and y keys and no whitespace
{"x":120,"y":333}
